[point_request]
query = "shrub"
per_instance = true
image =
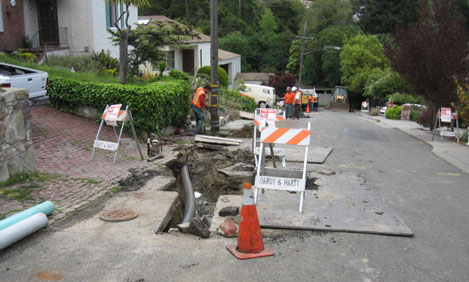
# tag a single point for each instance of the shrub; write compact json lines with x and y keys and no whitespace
{"x":222,"y":75}
{"x":374,"y":112}
{"x":154,"y":106}
{"x":161,"y":67}
{"x":414,"y":115}
{"x":394,"y":112}
{"x":177,"y":74}
{"x":382,"y":83}
{"x":234,"y":99}
{"x":464,"y":136}
{"x":104,"y":61}
{"x":426,"y":117}
{"x":25,"y":56}
{"x":401,"y":99}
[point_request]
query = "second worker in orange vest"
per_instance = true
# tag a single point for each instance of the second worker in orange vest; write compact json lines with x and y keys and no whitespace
{"x":296,"y":103}
{"x":199,"y":106}
{"x":288,"y":100}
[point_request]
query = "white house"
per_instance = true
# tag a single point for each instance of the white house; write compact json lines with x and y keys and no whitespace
{"x":195,"y":53}
{"x":76,"y":26}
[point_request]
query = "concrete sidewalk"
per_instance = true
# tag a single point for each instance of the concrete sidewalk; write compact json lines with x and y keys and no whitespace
{"x":453,"y":153}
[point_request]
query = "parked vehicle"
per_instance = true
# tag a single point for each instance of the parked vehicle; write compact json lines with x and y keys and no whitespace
{"x":34,"y":81}
{"x":263,"y":95}
{"x":305,"y":98}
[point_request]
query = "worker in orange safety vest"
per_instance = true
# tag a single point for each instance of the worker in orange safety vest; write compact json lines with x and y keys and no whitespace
{"x":288,"y":100}
{"x":297,"y":103}
{"x":199,"y":106}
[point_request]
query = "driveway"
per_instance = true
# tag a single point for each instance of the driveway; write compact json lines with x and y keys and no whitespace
{"x":67,"y":175}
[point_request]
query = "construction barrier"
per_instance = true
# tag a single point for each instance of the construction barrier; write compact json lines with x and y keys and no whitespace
{"x":267,"y":118}
{"x":445,"y":115}
{"x":283,"y":179}
{"x":111,"y":116}
{"x":250,"y":242}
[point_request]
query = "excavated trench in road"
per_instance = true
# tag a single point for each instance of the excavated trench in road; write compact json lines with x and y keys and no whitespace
{"x":214,"y":172}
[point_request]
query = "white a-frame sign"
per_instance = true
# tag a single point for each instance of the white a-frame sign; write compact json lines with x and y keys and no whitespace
{"x":112,"y":116}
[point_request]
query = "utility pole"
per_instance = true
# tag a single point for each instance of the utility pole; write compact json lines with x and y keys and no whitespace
{"x":215,"y":121}
{"x":302,"y":54}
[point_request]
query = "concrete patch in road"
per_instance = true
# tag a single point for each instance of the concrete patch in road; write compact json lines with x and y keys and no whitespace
{"x":342,"y":203}
{"x":316,"y":155}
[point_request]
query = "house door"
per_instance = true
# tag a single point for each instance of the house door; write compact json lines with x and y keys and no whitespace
{"x":48,"y":25}
{"x":188,"y":61}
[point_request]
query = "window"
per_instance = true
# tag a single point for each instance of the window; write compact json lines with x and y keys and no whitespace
{"x":170,"y":64}
{"x":113,"y":11}
{"x":1,"y":18}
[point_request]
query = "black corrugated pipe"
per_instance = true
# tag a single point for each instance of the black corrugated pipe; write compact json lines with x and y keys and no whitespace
{"x":189,"y":194}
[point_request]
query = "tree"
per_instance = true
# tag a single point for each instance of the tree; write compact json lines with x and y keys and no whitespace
{"x":382,"y":16}
{"x":360,"y":56}
{"x":238,"y":43}
{"x":280,"y":81}
{"x":147,"y":41}
{"x":272,"y":45}
{"x":323,"y":66}
{"x":430,"y":53}
{"x":288,"y":14}
{"x":325,"y":13}
{"x":382,"y":83}
{"x":123,"y":34}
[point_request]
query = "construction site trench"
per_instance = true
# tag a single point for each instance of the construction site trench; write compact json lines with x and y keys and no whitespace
{"x":215,"y":170}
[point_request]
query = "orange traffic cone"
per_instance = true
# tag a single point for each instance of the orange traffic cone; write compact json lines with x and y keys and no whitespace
{"x":307,"y":108}
{"x":250,"y":243}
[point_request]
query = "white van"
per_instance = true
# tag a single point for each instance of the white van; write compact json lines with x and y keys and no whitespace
{"x":263,"y":95}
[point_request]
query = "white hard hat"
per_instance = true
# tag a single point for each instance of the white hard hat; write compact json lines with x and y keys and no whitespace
{"x":294,"y":88}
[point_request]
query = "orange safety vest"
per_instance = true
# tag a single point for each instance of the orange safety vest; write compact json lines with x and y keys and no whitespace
{"x":196,"y":100}
{"x":295,"y":101}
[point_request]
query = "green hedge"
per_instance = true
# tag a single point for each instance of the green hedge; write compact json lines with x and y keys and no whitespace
{"x":153,"y":106}
{"x":222,"y":75}
{"x":237,"y":101}
{"x":394,"y":112}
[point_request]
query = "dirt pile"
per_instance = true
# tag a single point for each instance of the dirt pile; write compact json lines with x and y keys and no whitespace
{"x":208,"y":173}
{"x":246,"y":132}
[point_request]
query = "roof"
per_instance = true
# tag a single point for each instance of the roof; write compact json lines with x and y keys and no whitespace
{"x":254,"y":76}
{"x":147,"y":20}
{"x":226,"y":55}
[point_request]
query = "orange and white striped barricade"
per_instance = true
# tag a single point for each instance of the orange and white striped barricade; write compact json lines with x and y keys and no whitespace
{"x":267,"y":118}
{"x":111,"y":116}
{"x":283,"y":179}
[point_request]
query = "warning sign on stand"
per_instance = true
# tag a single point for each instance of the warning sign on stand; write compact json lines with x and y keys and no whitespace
{"x":267,"y":118}
{"x":111,"y":114}
{"x":445,"y":114}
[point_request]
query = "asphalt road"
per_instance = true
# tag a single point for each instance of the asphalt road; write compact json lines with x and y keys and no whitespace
{"x":428,"y":193}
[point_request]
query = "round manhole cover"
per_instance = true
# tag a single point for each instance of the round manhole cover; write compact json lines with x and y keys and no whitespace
{"x":118,"y":215}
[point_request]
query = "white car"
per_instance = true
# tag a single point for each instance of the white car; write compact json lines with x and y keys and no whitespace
{"x":382,"y":110}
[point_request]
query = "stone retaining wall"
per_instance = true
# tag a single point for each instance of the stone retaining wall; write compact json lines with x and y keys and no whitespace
{"x":16,"y":144}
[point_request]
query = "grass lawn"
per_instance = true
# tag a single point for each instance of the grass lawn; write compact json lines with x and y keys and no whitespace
{"x":62,"y":72}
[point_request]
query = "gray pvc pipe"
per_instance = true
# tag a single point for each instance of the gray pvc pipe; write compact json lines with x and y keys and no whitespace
{"x":19,"y":230}
{"x":189,"y":194}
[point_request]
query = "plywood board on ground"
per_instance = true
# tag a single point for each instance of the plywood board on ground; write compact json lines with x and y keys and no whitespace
{"x":343,"y":203}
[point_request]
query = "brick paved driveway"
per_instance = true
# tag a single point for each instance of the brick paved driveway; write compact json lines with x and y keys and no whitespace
{"x":68,"y":176}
